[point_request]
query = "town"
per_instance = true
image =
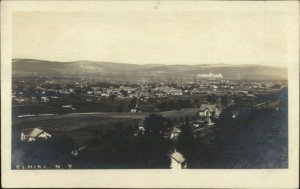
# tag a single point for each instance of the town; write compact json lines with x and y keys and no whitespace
{"x":91,"y":118}
{"x":145,"y":97}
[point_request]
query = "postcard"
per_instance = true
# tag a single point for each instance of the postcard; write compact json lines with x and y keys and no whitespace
{"x":193,"y":94}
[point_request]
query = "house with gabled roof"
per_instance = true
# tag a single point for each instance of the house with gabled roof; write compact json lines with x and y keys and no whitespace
{"x":209,"y":110}
{"x":177,"y":160}
{"x":33,"y":134}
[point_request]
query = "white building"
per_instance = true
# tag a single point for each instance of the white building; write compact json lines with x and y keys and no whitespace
{"x":44,"y":99}
{"x":210,"y":75}
{"x":177,"y":161}
{"x":134,"y":110}
{"x":209,"y":110}
{"x":34,"y":134}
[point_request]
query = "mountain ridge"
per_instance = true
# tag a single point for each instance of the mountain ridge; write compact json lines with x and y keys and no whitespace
{"x":33,"y":67}
{"x":148,"y":64}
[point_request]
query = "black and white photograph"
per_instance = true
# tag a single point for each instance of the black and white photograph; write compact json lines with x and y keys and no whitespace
{"x":162,"y":88}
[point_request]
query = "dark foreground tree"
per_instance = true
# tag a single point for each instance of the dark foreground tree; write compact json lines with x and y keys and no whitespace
{"x":155,"y":124}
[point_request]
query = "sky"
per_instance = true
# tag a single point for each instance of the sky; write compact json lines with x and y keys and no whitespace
{"x":152,"y":37}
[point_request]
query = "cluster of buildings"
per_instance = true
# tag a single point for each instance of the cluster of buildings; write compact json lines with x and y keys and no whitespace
{"x":204,"y":120}
{"x":43,"y":92}
{"x":199,"y":128}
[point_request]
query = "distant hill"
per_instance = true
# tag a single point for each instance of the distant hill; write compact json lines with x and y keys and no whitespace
{"x":29,"y":67}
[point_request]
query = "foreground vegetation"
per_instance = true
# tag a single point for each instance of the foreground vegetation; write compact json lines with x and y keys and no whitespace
{"x":257,"y":138}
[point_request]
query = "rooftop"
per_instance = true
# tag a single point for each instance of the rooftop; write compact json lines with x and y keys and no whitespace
{"x":210,"y":107}
{"x":34,"y":132}
{"x":178,"y":157}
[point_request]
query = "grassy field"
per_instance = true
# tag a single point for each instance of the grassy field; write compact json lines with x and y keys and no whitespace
{"x":92,"y":118}
{"x":68,"y":122}
{"x":86,"y":103}
{"x":81,"y":104}
{"x":81,"y":125}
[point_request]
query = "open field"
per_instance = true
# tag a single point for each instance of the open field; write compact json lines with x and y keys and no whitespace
{"x":88,"y":123}
{"x":81,"y":104}
{"x":87,"y":103}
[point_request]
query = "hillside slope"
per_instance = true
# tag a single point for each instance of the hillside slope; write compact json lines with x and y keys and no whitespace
{"x":29,"y":67}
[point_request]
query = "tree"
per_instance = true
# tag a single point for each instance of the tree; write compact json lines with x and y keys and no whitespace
{"x":224,"y":100}
{"x":196,"y":101}
{"x":276,"y":86}
{"x":133,"y":103}
{"x":155,"y":124}
{"x":124,"y":93}
{"x":185,"y":140}
{"x":112,"y":97}
{"x":187,"y":120}
{"x":186,"y":130}
{"x":120,"y":107}
{"x":212,"y":98}
{"x":181,"y":119}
